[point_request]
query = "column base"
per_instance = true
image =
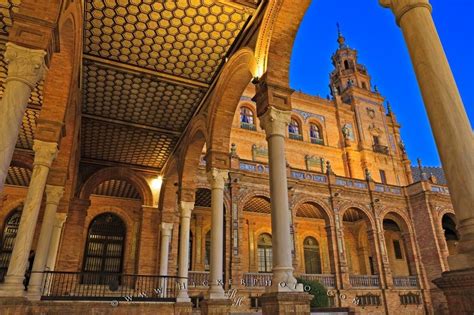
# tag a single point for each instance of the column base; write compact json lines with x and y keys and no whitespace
{"x":33,"y":293}
{"x":286,"y":303}
{"x":13,"y":286}
{"x":458,"y":287}
{"x":284,"y":281}
{"x":183,"y":308}
{"x":216,"y":293}
{"x":216,"y":307}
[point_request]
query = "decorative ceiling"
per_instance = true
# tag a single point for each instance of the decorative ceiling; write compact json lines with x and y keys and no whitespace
{"x":18,"y":176}
{"x":258,"y":204}
{"x":203,"y":198}
{"x":310,"y":210}
{"x":353,"y":215}
{"x":147,"y":67}
{"x":7,"y":7}
{"x":117,"y":188}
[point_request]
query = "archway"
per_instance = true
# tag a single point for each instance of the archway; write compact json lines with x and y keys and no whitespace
{"x":451,"y":234}
{"x":9,"y":231}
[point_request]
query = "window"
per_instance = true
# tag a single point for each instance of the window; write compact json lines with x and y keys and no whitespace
{"x":383,"y":177}
{"x":376,"y":140}
{"x":9,"y":234}
{"x":312,"y":257}
{"x":265,"y":255}
{"x":294,"y":130}
{"x":346,"y":64}
{"x":364,"y":86}
{"x":397,"y":249}
{"x":410,"y":299}
{"x":315,"y":134}
{"x":247,"y":118}
{"x":207,"y":257}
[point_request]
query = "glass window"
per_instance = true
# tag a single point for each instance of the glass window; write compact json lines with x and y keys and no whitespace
{"x":265,"y":255}
{"x":315,"y":134}
{"x":312,"y":257}
{"x":294,"y":127}
{"x":9,"y":234}
{"x":246,"y":118}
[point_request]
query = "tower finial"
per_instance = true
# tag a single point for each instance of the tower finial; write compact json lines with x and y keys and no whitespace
{"x":340,"y":39}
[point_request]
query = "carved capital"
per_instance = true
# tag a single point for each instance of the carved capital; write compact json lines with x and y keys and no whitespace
{"x":275,"y":122}
{"x":400,"y":7}
{"x":60,"y":219}
{"x":186,"y":209}
{"x":45,"y":152}
{"x":24,"y":64}
{"x":217,"y":178}
{"x":54,"y":194}
{"x":166,"y":228}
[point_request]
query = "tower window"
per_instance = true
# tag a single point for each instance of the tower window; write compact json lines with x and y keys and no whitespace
{"x":315,"y":134}
{"x":397,"y":249}
{"x":383,"y":177}
{"x":364,"y":86}
{"x":346,"y":64}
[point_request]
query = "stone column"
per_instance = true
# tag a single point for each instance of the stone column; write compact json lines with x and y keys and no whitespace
{"x":275,"y":123}
{"x":53,"y":196}
{"x":55,"y":238}
{"x":45,"y":152}
{"x":451,"y":128}
{"x":25,"y":68}
{"x":166,"y":229}
{"x":217,"y":179}
{"x":186,"y":208}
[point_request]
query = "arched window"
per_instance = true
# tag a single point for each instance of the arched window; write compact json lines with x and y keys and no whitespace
{"x":312,"y":257}
{"x":265,"y":255}
{"x":346,"y":64}
{"x":315,"y":134}
{"x":10,"y":228}
{"x":294,"y":130}
{"x":247,"y":118}
{"x":207,"y":256}
{"x":104,"y":248}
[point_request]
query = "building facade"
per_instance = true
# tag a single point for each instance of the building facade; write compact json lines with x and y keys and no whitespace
{"x":162,"y":158}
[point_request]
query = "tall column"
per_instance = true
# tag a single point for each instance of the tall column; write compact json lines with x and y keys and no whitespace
{"x":451,"y":128}
{"x":53,"y":196}
{"x":25,"y":68}
{"x":166,"y":229}
{"x":45,"y":152}
{"x":217,"y":179}
{"x":275,"y":123}
{"x":186,"y":208}
{"x":55,"y":238}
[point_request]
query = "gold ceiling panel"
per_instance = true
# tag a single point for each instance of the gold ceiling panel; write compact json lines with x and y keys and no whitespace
{"x":112,"y":142}
{"x":308,"y":210}
{"x":117,"y":188}
{"x":258,"y":204}
{"x":138,"y":99}
{"x":18,"y":176}
{"x":185,"y":38}
{"x":203,"y":198}
{"x":27,"y":131}
{"x":7,"y":7}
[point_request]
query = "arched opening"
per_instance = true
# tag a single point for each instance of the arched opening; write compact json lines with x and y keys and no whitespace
{"x":10,"y":229}
{"x":346,"y":65}
{"x":312,"y":256}
{"x":396,"y":248}
{"x":247,"y":118}
{"x":451,"y":234}
{"x":316,"y":134}
{"x":294,"y":130}
{"x":104,"y":250}
{"x":265,"y":254}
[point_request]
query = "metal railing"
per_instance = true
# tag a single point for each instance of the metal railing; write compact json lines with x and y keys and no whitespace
{"x":59,"y":285}
{"x":364,"y":281}
{"x":248,"y":126}
{"x":405,"y":282}
{"x":328,"y":280}
{"x":198,"y":279}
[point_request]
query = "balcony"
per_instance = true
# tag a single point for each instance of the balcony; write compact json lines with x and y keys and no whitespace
{"x":328,"y":280}
{"x":296,"y":136}
{"x":198,"y":279}
{"x":405,"y":282}
{"x":317,"y":141}
{"x":364,"y":281}
{"x":380,"y":149}
{"x":248,"y":126}
{"x":108,"y":286}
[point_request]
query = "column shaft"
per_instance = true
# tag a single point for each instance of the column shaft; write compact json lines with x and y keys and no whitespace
{"x":186,"y":208}
{"x":166,"y":229}
{"x":55,"y":239}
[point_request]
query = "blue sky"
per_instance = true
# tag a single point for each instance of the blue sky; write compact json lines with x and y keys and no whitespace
{"x":371,"y":30}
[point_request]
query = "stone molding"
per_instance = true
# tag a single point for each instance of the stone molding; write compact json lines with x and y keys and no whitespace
{"x":186,"y":209}
{"x":45,"y":152}
{"x":54,"y":194}
{"x":400,"y":7}
{"x":24,"y":64}
{"x":217,"y":178}
{"x":275,"y":122}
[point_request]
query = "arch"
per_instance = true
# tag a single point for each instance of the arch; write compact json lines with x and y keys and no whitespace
{"x":247,"y":117}
{"x":258,"y":204}
{"x":356,"y":206}
{"x":449,"y":225}
{"x":9,"y":231}
{"x":312,"y":255}
{"x":236,"y":75}
{"x":399,"y":218}
{"x":295,"y":128}
{"x":276,"y":37}
{"x":118,"y":173}
{"x":265,"y":252}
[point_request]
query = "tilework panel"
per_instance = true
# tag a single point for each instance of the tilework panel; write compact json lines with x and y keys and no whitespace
{"x":6,"y":9}
{"x":203,"y":198}
{"x":18,"y":176}
{"x":258,"y":204}
{"x":308,"y":210}
{"x":139,"y":99}
{"x":117,"y":188}
{"x":27,"y":131}
{"x":111,"y":142}
{"x":186,"y":38}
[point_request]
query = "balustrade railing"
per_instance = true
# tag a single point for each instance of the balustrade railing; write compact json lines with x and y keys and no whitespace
{"x":198,"y":279}
{"x":405,"y":282}
{"x":380,"y":149}
{"x":364,"y":281}
{"x":108,"y":286}
{"x":257,"y":279}
{"x":328,"y":280}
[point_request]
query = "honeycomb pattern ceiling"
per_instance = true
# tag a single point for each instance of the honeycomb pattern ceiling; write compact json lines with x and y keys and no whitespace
{"x":27,"y":131}
{"x":309,"y":210}
{"x":259,"y":205}
{"x":7,"y":7}
{"x":203,"y":198}
{"x":18,"y":176}
{"x":117,"y":188}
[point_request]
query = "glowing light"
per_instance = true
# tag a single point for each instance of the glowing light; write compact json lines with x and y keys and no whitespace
{"x":156,"y":183}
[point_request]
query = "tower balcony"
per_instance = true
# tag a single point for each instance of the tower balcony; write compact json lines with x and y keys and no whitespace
{"x":380,"y":149}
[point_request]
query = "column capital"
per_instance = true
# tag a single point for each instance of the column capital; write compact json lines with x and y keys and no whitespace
{"x":60,"y":219}
{"x":400,"y":7}
{"x":217,"y":177}
{"x":166,"y":228}
{"x":270,"y":94}
{"x":45,"y":152}
{"x":186,"y":208}
{"x":24,"y":64}
{"x":54,"y":194}
{"x":275,"y":122}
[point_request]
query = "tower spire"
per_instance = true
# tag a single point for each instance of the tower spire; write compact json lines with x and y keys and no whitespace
{"x":340,"y":39}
